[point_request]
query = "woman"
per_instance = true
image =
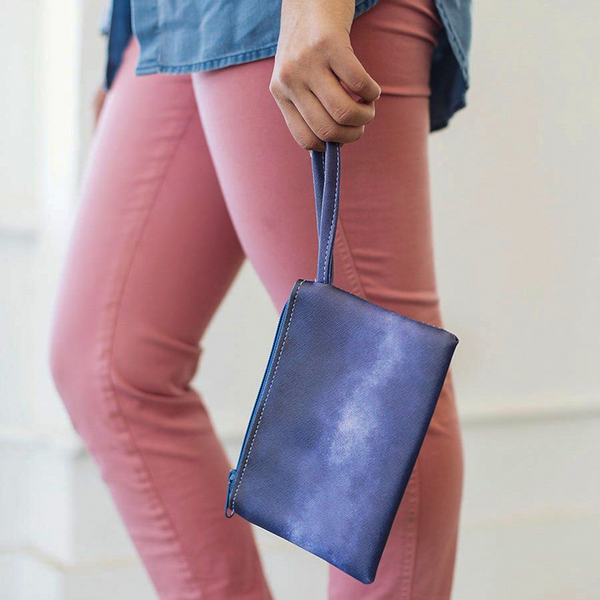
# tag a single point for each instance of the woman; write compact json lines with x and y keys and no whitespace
{"x":191,"y":174}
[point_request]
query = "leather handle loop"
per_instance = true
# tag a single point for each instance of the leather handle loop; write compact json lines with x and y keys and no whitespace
{"x":326,"y":177}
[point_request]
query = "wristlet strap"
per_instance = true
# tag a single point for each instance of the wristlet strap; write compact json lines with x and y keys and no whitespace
{"x":326,"y":177}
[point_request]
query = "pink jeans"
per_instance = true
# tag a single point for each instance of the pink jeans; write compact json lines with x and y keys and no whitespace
{"x":176,"y":196}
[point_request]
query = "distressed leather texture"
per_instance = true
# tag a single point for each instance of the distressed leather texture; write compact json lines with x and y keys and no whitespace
{"x":342,"y":412}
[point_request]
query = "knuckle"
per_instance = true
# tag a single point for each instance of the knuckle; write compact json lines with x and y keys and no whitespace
{"x":359,"y":86}
{"x":286,"y":74}
{"x":304,"y":56}
{"x":318,"y":43}
{"x":274,"y":88}
{"x":306,"y":143}
{"x":327,"y":133}
{"x":344,"y":115}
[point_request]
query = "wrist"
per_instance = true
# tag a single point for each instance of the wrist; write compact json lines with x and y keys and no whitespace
{"x":317,"y":14}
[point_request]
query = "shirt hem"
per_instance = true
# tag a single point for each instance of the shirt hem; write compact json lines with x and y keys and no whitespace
{"x":152,"y":63}
{"x":440,"y":123}
{"x":363,"y":7}
{"x":209,"y":65}
{"x":457,"y":48}
{"x":147,"y":67}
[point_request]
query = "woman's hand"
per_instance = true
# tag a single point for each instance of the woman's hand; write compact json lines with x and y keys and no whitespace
{"x":313,"y":66}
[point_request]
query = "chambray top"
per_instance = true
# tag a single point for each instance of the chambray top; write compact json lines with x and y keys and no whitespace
{"x":178,"y":36}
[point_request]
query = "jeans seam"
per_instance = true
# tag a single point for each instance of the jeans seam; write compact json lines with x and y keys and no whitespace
{"x":411,"y":560}
{"x":350,"y":265}
{"x":109,"y":355}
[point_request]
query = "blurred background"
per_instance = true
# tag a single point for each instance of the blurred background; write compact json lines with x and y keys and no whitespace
{"x":516,"y":213}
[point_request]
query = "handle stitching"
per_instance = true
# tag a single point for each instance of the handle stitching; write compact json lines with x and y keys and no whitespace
{"x":237,"y":489}
{"x":322,"y":197}
{"x":335,"y":203}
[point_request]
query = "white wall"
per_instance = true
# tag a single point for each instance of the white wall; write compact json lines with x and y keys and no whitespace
{"x":516,"y":200}
{"x":516,"y":223}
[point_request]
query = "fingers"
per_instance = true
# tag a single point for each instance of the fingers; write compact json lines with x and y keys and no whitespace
{"x":305,"y":115}
{"x":314,"y":89}
{"x":343,"y":109}
{"x":301,"y":132}
{"x":349,"y":69}
{"x":322,"y":123}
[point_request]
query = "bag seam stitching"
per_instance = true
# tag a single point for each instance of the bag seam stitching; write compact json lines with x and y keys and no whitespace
{"x":237,"y":489}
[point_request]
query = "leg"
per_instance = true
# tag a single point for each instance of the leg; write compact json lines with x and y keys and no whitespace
{"x":152,"y":255}
{"x":383,"y":250}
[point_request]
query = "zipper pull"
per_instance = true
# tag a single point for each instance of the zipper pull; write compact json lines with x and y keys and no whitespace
{"x":230,"y":512}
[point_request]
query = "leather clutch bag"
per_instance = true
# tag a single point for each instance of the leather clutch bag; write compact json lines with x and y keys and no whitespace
{"x":345,"y":402}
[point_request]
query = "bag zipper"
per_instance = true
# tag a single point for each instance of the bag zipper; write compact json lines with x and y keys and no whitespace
{"x":229,"y":512}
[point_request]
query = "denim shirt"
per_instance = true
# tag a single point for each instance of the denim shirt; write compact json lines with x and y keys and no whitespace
{"x":202,"y":35}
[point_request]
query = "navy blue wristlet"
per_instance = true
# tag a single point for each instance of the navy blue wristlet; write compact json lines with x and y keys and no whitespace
{"x":343,"y":408}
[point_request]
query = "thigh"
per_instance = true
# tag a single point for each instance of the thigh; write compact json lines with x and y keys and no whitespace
{"x":152,"y":237}
{"x":152,"y":254}
{"x":383,"y":250}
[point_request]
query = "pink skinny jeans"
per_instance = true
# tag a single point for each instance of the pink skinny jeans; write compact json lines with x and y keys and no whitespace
{"x":188,"y":176}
